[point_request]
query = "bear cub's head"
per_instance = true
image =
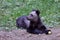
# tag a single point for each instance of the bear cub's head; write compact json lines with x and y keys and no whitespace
{"x":34,"y":15}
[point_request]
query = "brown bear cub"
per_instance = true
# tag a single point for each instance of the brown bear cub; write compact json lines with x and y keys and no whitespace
{"x":32,"y":23}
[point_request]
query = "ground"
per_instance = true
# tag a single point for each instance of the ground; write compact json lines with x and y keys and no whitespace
{"x":23,"y":35}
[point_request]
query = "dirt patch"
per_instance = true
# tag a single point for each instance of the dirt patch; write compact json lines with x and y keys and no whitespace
{"x":23,"y":35}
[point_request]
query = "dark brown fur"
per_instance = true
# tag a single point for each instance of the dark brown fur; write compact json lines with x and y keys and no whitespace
{"x":35,"y":25}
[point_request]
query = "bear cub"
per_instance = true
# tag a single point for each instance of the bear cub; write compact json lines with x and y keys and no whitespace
{"x":32,"y":23}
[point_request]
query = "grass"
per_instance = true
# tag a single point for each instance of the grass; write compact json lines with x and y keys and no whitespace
{"x":11,"y":9}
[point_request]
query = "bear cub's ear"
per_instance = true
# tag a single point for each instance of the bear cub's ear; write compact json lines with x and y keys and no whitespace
{"x":37,"y":11}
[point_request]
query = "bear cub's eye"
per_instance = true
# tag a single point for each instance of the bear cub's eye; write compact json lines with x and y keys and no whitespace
{"x":31,"y":15}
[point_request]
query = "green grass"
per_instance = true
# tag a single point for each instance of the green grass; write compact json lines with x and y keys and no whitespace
{"x":11,"y":9}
